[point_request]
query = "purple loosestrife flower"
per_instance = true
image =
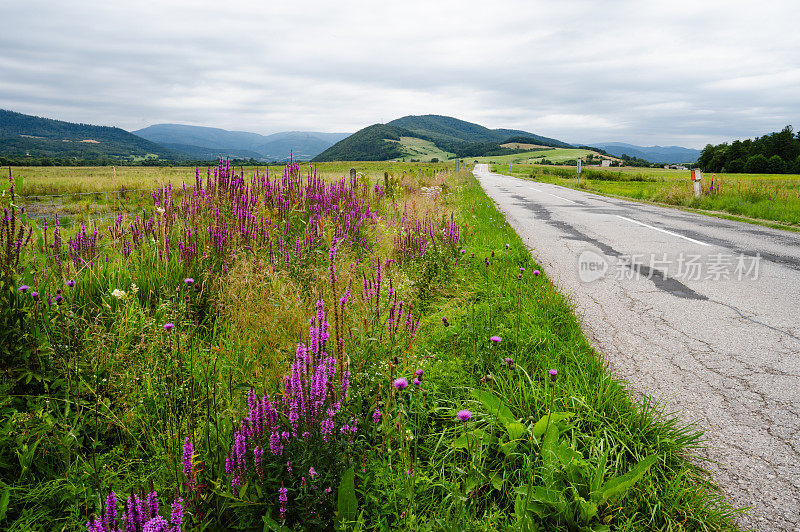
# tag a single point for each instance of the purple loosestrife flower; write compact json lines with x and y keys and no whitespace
{"x":152,"y":504}
{"x":188,"y":470}
{"x":176,"y":517}
{"x":312,"y":472}
{"x":401,"y":383}
{"x":169,"y":326}
{"x":376,"y":416}
{"x":156,"y":524}
{"x":464,"y":415}
{"x":283,"y":498}
{"x":496,"y":339}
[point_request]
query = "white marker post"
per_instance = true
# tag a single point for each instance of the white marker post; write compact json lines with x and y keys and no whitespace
{"x":697,"y":175}
{"x":579,"y":167}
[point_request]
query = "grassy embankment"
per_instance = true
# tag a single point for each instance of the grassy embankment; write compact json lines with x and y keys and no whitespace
{"x":770,"y":197}
{"x":556,"y":155}
{"x":97,"y":395}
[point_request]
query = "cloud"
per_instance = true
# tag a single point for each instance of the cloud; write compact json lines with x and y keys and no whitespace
{"x":667,"y":73}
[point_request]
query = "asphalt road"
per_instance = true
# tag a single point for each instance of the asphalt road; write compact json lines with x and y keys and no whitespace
{"x":699,"y":312}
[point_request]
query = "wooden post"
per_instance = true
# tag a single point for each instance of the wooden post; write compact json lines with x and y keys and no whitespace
{"x":386,"y":180}
{"x":353,"y":177}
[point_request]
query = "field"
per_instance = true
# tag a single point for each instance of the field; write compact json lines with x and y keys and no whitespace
{"x":299,"y":351}
{"x":756,"y":197}
{"x":422,"y":150}
{"x":556,"y":155}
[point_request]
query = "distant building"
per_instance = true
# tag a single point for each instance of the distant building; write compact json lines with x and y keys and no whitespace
{"x":675,"y":167}
{"x":605,"y":163}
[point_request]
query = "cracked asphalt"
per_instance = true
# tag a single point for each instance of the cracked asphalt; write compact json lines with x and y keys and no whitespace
{"x":698,"y":312}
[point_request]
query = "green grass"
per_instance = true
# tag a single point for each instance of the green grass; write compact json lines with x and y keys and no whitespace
{"x":96,"y":395}
{"x":556,"y":155}
{"x":422,"y":150}
{"x":769,"y":197}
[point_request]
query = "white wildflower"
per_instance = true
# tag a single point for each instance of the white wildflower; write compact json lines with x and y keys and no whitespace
{"x":119,"y":294}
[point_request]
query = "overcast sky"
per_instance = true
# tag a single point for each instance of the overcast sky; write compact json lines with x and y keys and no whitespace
{"x":676,"y":72}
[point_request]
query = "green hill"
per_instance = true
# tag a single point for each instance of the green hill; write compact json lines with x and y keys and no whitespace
{"x":32,"y":136}
{"x":428,"y":136}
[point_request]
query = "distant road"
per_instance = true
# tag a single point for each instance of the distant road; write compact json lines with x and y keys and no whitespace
{"x":717,"y":338}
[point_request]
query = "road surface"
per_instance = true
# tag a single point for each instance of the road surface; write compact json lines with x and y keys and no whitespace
{"x":699,"y":312}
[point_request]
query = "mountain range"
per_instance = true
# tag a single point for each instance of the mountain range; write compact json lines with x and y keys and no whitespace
{"x":424,"y":137}
{"x":25,"y":135}
{"x":654,"y":154}
{"x":428,"y":134}
{"x":203,"y":142}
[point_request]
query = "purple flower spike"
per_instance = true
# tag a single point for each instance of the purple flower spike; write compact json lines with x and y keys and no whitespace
{"x":169,"y":326}
{"x":464,"y":415}
{"x":71,"y":283}
{"x":401,"y":383}
{"x":496,"y":339}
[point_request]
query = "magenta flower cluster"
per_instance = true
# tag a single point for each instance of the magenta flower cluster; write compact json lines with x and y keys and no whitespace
{"x":138,"y":516}
{"x":309,"y":409}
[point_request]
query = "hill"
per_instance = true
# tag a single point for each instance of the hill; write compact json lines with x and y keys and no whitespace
{"x":431,"y":136}
{"x":24,"y":135}
{"x":199,"y":140}
{"x":654,"y":154}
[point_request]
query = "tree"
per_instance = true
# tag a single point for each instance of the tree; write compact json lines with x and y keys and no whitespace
{"x":736,"y":166}
{"x":757,"y":164}
{"x":776,"y":165}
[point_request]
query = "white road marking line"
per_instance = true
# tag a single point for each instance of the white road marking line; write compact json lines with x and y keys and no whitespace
{"x":663,"y":231}
{"x":554,"y":195}
{"x":559,"y":197}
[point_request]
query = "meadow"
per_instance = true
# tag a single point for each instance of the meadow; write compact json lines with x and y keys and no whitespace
{"x":292,"y":349}
{"x":765,"y":197}
{"x":556,"y":155}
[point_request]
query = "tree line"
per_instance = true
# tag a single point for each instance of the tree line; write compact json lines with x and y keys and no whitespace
{"x":776,"y":153}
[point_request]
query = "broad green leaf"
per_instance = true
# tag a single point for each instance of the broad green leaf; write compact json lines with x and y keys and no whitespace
{"x":508,"y":447}
{"x":566,"y":454}
{"x":541,"y":425}
{"x":599,"y":473}
{"x":4,"y":498}
{"x":618,"y":485}
{"x":347,"y":504}
{"x":519,"y":503}
{"x":587,"y":509}
{"x":473,"y":439}
{"x":495,"y":406}
{"x":515,"y":430}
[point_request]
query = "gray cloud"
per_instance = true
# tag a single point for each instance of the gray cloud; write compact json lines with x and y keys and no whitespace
{"x":681,"y":72}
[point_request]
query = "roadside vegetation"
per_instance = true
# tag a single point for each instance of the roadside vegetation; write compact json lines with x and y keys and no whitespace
{"x":294,"y":350}
{"x":767,"y":197}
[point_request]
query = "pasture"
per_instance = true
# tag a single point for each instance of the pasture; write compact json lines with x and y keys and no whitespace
{"x":556,"y":155}
{"x":290,"y":349}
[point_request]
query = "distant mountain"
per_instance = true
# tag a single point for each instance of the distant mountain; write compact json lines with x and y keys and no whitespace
{"x":654,"y":154}
{"x":447,"y":127}
{"x":27,"y":135}
{"x":197,"y":140}
{"x":444,"y":134}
